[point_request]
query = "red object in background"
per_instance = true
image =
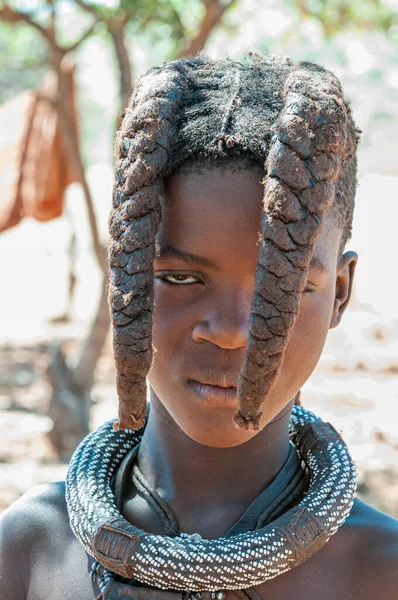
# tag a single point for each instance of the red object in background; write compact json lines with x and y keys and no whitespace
{"x":34,"y":167}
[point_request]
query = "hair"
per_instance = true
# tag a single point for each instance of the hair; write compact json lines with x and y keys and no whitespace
{"x":289,"y":118}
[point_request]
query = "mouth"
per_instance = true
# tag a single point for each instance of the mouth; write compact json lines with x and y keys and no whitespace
{"x":216,"y":395}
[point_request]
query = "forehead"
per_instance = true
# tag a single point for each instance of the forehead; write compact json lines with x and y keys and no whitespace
{"x":216,"y":209}
{"x":213,"y":195}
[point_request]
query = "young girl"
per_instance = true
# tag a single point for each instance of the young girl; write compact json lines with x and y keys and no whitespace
{"x":232,"y":206}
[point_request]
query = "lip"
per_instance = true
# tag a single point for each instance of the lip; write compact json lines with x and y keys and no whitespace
{"x":215,"y":396}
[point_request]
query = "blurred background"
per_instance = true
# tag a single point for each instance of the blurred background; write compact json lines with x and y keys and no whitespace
{"x":66,"y":70}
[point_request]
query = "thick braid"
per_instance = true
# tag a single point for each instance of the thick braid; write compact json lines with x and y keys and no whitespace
{"x":303,"y":164}
{"x":143,"y":145}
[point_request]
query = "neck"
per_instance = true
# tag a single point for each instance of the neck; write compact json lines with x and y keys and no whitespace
{"x":198,"y":480}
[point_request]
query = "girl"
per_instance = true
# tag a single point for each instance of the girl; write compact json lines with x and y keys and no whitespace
{"x":233,"y":202}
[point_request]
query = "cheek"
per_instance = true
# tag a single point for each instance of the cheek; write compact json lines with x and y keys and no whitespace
{"x":163,"y":352}
{"x":167,"y":313}
{"x":170,"y":330}
{"x":308,"y":336}
{"x":162,"y":330}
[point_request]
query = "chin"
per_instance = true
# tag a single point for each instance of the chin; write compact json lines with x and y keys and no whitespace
{"x":211,"y":422}
{"x":216,"y":430}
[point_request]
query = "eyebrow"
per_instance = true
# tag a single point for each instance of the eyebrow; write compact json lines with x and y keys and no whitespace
{"x":188,"y":257}
{"x":171,"y":252}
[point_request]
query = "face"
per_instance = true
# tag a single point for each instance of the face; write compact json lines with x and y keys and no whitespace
{"x":204,"y":282}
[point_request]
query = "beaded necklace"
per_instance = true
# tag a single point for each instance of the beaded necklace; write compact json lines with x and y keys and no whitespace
{"x":286,"y":489}
{"x":192,"y":563}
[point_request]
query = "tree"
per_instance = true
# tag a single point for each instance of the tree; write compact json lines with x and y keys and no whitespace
{"x":71,"y":387}
{"x":337,"y":15}
{"x":145,"y":12}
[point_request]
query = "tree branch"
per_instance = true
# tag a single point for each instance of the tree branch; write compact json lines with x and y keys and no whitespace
{"x":116,"y":24}
{"x":52,"y":26}
{"x":90,"y":9}
{"x":9,"y":15}
{"x":303,"y":8}
{"x":85,"y":35}
{"x":214,"y":11}
{"x":126,"y":18}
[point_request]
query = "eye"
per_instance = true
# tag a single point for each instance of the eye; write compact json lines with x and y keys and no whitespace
{"x":309,"y":290}
{"x":178,"y":278}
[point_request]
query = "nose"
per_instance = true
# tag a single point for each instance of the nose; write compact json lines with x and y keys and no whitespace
{"x":225,"y":323}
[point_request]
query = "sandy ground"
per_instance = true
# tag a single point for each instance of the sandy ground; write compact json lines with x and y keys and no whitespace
{"x":354,"y":386}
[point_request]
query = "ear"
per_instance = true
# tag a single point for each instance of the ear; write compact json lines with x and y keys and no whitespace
{"x":344,"y":280}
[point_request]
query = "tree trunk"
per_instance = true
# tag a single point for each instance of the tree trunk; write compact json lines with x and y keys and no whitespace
{"x":69,"y":406}
{"x":71,"y":387}
{"x":70,"y":401}
{"x":116,"y":29}
{"x":92,"y":347}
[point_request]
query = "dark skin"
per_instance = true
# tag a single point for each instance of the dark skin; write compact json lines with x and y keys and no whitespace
{"x":208,"y":471}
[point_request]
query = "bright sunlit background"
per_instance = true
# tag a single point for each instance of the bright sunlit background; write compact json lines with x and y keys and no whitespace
{"x":355,"y":385}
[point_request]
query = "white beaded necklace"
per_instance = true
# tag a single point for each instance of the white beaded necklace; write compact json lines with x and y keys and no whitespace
{"x":192,"y":563}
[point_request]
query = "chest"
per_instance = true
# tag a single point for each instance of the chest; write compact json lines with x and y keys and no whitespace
{"x":66,"y":577}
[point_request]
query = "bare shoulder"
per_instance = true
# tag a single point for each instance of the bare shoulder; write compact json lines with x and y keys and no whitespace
{"x":37,"y":521}
{"x":370,"y":524}
{"x":359,"y":562}
{"x":34,"y":514}
{"x":372,"y":539}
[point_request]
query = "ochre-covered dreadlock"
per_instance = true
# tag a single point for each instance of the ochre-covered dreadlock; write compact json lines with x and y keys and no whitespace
{"x":142,"y":151}
{"x":290,"y":117}
{"x":303,"y":162}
